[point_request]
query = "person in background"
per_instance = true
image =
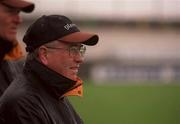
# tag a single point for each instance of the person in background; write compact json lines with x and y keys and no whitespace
{"x":56,"y":49}
{"x":10,"y":51}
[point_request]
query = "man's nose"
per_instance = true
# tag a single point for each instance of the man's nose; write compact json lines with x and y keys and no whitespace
{"x":79,"y":58}
{"x":17,"y":19}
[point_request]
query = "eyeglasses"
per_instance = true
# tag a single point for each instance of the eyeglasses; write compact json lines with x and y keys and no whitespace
{"x":73,"y":50}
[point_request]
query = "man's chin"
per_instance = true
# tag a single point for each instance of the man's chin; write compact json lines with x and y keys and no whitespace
{"x":11,"y":37}
{"x":72,"y":77}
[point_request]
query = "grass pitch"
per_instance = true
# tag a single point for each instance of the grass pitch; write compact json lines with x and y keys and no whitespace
{"x":129,"y":104}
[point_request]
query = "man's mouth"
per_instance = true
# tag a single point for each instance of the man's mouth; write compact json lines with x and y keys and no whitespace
{"x":74,"y":69}
{"x":13,"y":30}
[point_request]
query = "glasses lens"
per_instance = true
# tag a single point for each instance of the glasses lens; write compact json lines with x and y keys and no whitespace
{"x":75,"y":50}
{"x":82,"y":50}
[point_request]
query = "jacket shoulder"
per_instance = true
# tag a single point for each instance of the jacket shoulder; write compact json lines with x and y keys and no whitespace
{"x":19,"y":103}
{"x":12,"y":68}
{"x":16,"y":66}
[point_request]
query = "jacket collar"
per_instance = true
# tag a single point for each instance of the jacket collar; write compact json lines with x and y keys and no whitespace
{"x":15,"y":53}
{"x":58,"y":84}
{"x":5,"y":47}
{"x":10,"y":50}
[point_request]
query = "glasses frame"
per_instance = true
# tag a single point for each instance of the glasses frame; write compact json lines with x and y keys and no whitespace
{"x":73,"y":50}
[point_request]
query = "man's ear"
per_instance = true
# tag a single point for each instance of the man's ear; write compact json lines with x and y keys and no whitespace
{"x":43,"y":55}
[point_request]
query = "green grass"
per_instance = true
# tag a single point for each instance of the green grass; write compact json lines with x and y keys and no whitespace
{"x":129,"y":104}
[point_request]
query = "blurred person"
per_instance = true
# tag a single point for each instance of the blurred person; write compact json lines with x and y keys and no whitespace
{"x":56,"y":48}
{"x":10,"y":50}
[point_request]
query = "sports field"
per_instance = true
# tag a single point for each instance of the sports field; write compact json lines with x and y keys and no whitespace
{"x":129,"y":104}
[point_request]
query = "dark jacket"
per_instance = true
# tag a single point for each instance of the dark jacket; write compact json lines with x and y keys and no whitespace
{"x":11,"y":63}
{"x":8,"y":71}
{"x":35,"y":97}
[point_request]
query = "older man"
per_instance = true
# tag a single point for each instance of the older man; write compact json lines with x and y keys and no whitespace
{"x":39,"y":95}
{"x":9,"y":47}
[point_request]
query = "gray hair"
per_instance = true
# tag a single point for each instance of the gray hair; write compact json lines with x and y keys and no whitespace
{"x":35,"y":53}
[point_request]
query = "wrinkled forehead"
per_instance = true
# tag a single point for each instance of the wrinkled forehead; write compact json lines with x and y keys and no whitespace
{"x":61,"y":43}
{"x":69,"y":43}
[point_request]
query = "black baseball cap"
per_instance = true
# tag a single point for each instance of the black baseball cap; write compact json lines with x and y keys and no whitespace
{"x":56,"y":27}
{"x":23,"y":5}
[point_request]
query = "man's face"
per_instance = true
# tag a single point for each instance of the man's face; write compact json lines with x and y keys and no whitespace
{"x":9,"y":21}
{"x":62,"y":62}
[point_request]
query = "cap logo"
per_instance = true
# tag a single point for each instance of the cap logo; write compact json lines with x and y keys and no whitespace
{"x":68,"y":26}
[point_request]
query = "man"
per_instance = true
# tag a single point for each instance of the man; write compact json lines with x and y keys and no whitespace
{"x":39,"y":95}
{"x":9,"y":48}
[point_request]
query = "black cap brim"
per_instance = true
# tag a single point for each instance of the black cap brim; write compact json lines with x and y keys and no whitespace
{"x":24,"y":6}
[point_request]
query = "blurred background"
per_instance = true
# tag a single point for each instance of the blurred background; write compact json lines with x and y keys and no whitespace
{"x":133,"y":75}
